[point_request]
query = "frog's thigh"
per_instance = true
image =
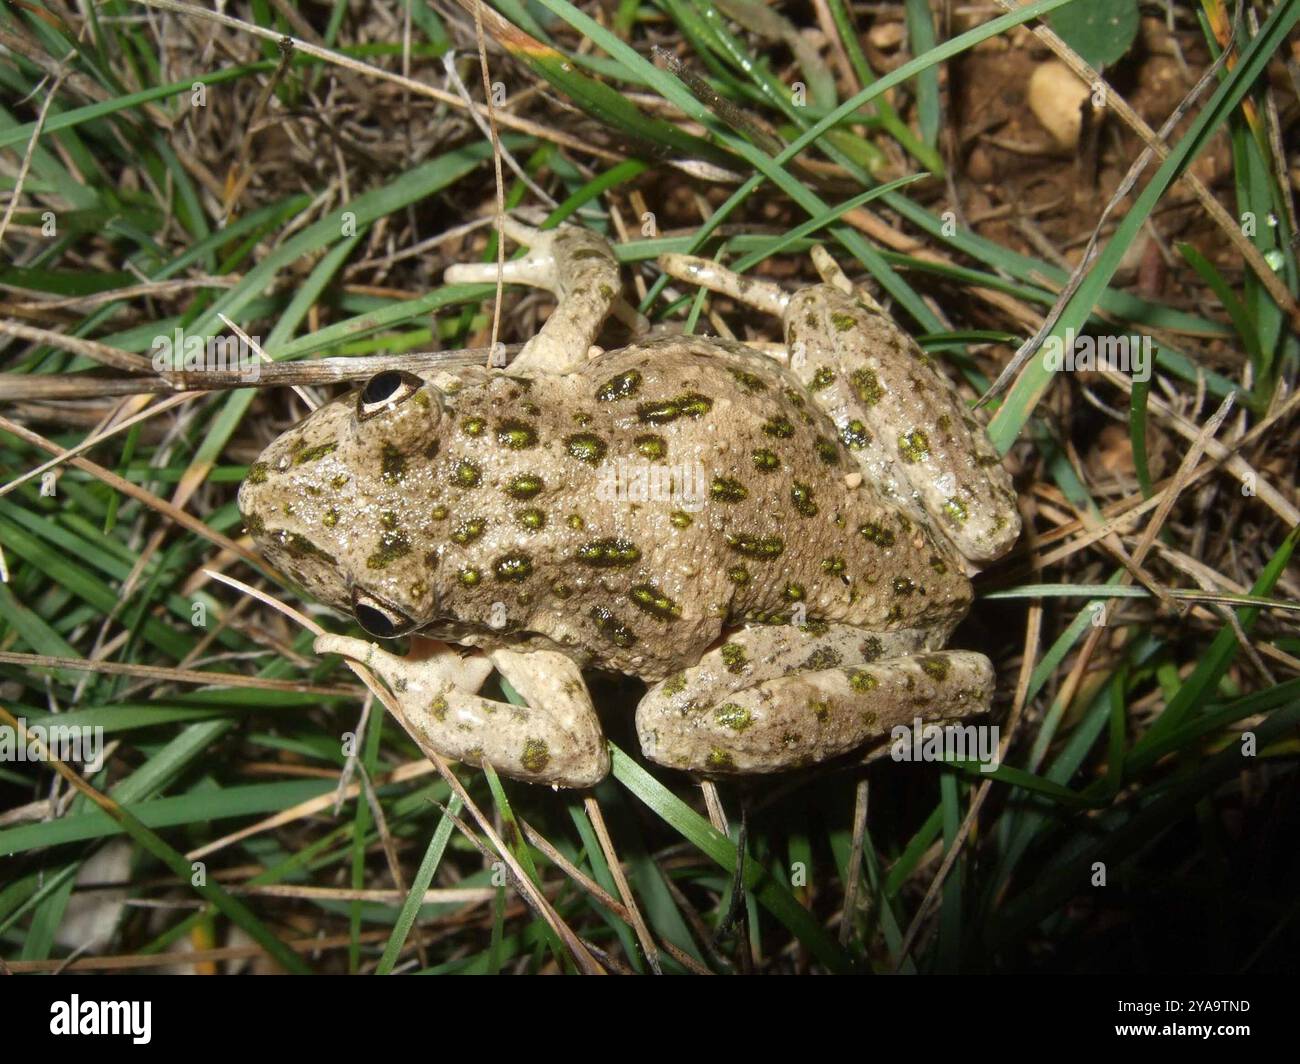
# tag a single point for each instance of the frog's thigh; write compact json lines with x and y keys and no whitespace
{"x":555,"y":739}
{"x":807,"y":717}
{"x":766,"y":652}
{"x":901,"y":416}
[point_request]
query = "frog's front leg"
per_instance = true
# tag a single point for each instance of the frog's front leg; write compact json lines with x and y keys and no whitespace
{"x":894,"y":409}
{"x":554,"y":739}
{"x":580,"y":268}
{"x":769,"y":700}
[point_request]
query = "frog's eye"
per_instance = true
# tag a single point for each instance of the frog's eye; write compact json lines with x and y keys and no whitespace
{"x":384,"y":390}
{"x":378,"y":618}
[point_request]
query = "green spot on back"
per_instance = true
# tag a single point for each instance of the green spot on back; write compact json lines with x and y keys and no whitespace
{"x":727,"y":489}
{"x":611,"y":628}
{"x":751,"y":382}
{"x":653,"y":601}
{"x":619,"y":387}
{"x":854,"y":435}
{"x":312,"y":454}
{"x":866,"y":385}
{"x":801,"y":495}
{"x":609,"y":553}
{"x":913,"y":446}
{"x":719,"y":760}
{"x":877,"y":534}
{"x":756,"y":546}
{"x":524,"y":486}
{"x":392,"y":545}
{"x":517,"y":435}
{"x":778,"y":427}
{"x":862,"y":682}
{"x":466,"y":474}
{"x":531,"y":518}
{"x":935,"y":667}
{"x":651,"y":446}
{"x":688,"y":404}
{"x":732,"y":716}
{"x":468,"y":531}
{"x":586,"y":447}
{"x":513,"y":567}
{"x":733,"y":657}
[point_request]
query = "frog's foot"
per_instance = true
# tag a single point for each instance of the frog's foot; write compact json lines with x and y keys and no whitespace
{"x":579,"y":267}
{"x":837,"y":699}
{"x":555,"y":739}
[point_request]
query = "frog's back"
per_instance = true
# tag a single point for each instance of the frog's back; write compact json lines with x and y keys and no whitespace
{"x":671,"y":489}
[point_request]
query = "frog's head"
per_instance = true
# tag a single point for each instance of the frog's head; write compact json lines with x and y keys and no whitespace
{"x":341,"y":502}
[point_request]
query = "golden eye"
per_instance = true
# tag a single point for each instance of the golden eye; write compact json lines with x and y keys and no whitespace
{"x":385,"y":390}
{"x":377,"y":617}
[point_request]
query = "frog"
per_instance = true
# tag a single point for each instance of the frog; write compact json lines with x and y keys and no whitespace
{"x":787,"y":604}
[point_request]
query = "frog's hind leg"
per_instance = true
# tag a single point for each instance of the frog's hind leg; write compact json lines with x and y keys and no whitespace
{"x":555,"y":739}
{"x":580,"y":268}
{"x":780,"y":713}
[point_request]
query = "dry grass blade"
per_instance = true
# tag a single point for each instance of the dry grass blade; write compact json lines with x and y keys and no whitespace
{"x":169,"y":510}
{"x":91,"y":349}
{"x":161,"y":674}
{"x":413,"y":86}
{"x":624,"y":888}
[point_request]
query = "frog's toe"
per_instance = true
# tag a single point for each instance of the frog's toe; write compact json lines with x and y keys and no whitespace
{"x":829,"y":270}
{"x":762,"y":295}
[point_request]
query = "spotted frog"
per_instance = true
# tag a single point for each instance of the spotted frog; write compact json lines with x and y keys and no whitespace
{"x":788,"y":608}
